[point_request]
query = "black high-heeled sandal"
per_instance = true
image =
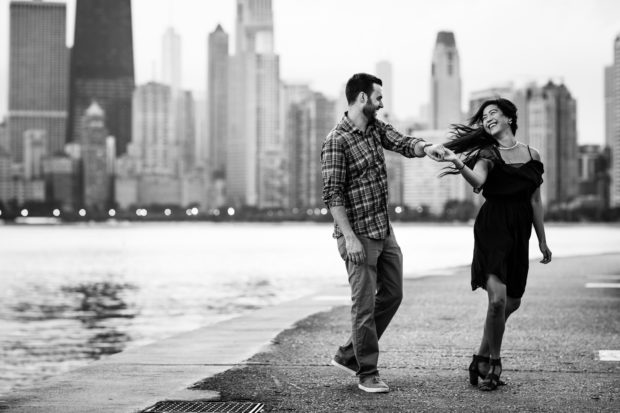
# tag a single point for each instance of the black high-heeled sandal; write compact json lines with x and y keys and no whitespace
{"x":491,"y":381}
{"x":474,"y":369}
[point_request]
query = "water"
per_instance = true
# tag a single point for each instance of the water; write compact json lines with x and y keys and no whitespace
{"x":71,"y":294}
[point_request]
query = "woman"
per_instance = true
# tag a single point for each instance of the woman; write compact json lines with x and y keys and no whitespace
{"x":509,"y":173}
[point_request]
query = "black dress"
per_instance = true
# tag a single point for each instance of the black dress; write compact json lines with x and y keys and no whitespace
{"x":504,"y":223}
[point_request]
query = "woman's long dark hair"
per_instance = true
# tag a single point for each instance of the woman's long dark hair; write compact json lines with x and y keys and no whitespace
{"x":470,"y":139}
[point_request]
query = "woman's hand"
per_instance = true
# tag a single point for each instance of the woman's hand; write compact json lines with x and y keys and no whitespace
{"x":546,"y":252}
{"x":448,"y":155}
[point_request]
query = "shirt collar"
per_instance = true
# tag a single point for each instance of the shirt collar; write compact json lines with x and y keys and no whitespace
{"x":348,"y":125}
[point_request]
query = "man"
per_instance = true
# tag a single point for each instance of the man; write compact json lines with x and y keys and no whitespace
{"x":355,"y":190}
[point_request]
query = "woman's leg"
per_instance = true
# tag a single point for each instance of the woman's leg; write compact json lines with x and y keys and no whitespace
{"x":512,"y":304}
{"x":496,"y":316}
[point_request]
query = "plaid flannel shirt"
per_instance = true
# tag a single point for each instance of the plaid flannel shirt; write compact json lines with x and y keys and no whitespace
{"x":354,"y":173}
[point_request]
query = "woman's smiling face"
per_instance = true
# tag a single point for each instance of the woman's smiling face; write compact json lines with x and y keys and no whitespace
{"x":494,"y":121}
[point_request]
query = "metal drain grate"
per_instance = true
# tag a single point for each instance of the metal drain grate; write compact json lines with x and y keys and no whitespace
{"x":176,"y":406}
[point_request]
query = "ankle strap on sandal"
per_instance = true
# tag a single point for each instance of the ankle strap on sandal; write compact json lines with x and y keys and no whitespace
{"x":478,"y":358}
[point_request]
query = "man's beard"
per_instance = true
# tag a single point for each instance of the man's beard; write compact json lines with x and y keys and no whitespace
{"x":370,"y":111}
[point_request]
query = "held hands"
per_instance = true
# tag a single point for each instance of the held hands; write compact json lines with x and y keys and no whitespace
{"x":546,"y":252}
{"x":435,"y":152}
{"x":355,"y":250}
{"x":449,"y":156}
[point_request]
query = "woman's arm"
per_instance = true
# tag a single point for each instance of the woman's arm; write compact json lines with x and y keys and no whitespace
{"x":475,"y":177}
{"x":539,"y":226}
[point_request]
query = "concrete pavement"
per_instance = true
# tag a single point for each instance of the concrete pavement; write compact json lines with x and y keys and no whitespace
{"x":550,"y":352}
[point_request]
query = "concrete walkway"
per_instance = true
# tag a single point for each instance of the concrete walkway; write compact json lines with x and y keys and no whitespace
{"x":551,"y":354}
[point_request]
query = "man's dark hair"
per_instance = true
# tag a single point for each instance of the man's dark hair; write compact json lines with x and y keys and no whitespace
{"x":360,"y":82}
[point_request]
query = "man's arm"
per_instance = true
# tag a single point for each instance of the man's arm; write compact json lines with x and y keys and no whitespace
{"x":408,"y":146}
{"x":334,"y":173}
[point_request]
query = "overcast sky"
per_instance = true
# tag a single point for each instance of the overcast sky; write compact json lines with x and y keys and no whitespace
{"x":323,"y":42}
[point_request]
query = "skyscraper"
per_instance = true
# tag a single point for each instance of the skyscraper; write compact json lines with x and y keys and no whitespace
{"x":614,"y":138}
{"x":102,"y":66}
{"x":552,"y":130}
{"x":4,"y":137}
{"x":609,"y":104}
{"x":445,"y":103}
{"x":35,"y":151}
{"x":186,"y":121}
{"x":159,"y":155}
{"x":181,"y":105}
{"x":255,"y":153}
{"x":291,"y":96}
{"x":171,"y":60}
{"x":384,"y":72}
{"x":154,"y":143}
{"x":96,"y":178}
{"x":6,"y":178}
{"x":38,"y":74}
{"x":310,"y":120}
{"x":217,"y":89}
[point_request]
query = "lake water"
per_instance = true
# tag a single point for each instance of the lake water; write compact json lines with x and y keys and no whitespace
{"x":70,"y":294}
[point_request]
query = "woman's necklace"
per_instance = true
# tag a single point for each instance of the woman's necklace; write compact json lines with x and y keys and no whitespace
{"x":506,"y":148}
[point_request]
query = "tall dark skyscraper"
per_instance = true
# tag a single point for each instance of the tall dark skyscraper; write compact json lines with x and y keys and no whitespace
{"x":102,"y":67}
{"x":38,"y":74}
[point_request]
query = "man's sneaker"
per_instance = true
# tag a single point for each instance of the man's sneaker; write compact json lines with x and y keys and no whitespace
{"x":349,"y":369}
{"x":373,"y":384}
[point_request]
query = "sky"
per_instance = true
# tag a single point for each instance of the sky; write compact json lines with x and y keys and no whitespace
{"x":323,"y":42}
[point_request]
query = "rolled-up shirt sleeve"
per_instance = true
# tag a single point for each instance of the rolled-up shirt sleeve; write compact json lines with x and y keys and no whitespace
{"x":393,"y":140}
{"x":333,"y":171}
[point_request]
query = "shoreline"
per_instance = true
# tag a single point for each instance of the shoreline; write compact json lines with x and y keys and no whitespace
{"x":54,"y":221}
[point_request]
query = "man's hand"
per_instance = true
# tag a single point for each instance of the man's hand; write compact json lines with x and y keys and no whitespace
{"x":355,"y":250}
{"x":435,"y":152}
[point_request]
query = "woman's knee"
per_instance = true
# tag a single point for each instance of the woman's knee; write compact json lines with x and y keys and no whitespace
{"x":497,"y":305}
{"x":496,"y":290}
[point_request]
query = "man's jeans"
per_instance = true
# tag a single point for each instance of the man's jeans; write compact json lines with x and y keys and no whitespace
{"x":376,"y":292}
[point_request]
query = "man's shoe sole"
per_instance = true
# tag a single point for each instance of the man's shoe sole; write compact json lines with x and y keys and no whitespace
{"x":373,"y":389}
{"x":349,"y":371}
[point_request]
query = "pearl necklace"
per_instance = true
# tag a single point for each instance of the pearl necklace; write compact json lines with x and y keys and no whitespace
{"x":507,"y":148}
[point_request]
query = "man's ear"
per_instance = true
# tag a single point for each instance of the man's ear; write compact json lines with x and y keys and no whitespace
{"x":362,"y":97}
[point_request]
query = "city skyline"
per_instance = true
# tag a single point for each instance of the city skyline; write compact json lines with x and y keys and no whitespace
{"x":567,"y":42}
